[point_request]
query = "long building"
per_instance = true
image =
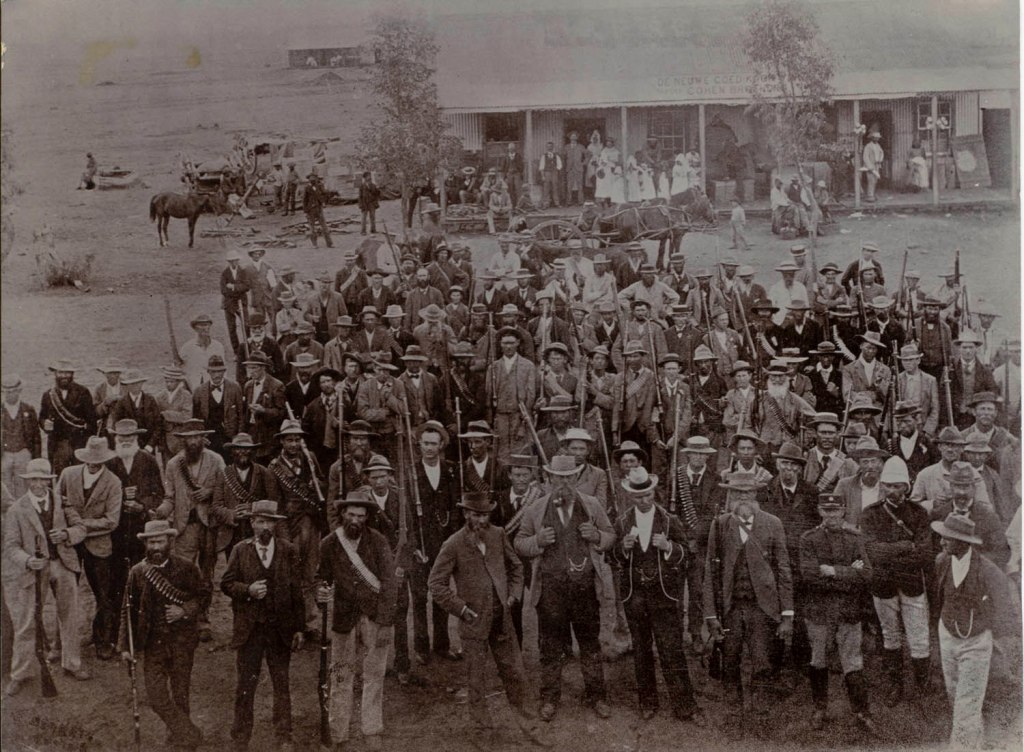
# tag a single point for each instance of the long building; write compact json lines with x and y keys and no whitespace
{"x":905,"y":67}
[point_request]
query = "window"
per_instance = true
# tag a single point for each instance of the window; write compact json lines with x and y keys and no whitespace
{"x":924,"y":134}
{"x":502,"y":127}
{"x":670,"y":127}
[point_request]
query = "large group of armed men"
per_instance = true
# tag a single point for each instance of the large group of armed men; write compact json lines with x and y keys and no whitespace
{"x":657,"y":458}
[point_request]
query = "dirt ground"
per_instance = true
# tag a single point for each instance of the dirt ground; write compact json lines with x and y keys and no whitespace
{"x":143,"y":123}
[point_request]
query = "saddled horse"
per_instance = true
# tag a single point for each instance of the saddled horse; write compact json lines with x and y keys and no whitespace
{"x":189,"y":206}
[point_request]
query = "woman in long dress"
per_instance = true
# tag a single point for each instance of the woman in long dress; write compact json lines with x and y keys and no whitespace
{"x":633,"y":178}
{"x":648,"y":190}
{"x":680,"y":175}
{"x":593,"y":160}
{"x":609,"y":189}
{"x":918,"y":167}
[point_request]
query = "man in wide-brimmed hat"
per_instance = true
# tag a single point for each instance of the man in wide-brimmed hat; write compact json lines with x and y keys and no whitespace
{"x":300,"y":482}
{"x":341,"y":344}
{"x":511,"y":382}
{"x":356,"y":578}
{"x":564,"y":533}
{"x":195,"y":352}
{"x":963,"y":484}
{"x":260,"y":341}
{"x":985,"y":407}
{"x":20,"y":432}
{"x":632,"y":416}
{"x":826,"y":464}
{"x":488,"y":578}
{"x":910,"y":444}
{"x":651,"y":553}
{"x":164,"y":629}
{"x":932,"y":483}
{"x":303,"y":345}
{"x":826,"y":380}
{"x":974,"y":602}
{"x":786,"y":290}
{"x":747,"y":447}
{"x":190,"y":478}
{"x":314,"y":199}
{"x":234,"y":293}
{"x":265,"y":403}
{"x":915,"y":385}
{"x":748,"y":590}
{"x":140,"y":406}
{"x":800,"y":331}
{"x":340,"y":295}
{"x":264,"y":584}
{"x":241,"y":482}
{"x":218,"y":402}
{"x":867,"y":373}
{"x":781,"y":410}
{"x":108,"y":391}
{"x":92,"y":498}
{"x":66,"y":414}
{"x":346,"y":472}
{"x":422,"y":295}
{"x":792,"y":499}
{"x":640,"y":327}
{"x":836,"y":573}
{"x":302,"y":388}
{"x":967,"y":377}
{"x":898,"y":540}
{"x":863,"y":489}
{"x":39,"y":543}
{"x":143,"y":488}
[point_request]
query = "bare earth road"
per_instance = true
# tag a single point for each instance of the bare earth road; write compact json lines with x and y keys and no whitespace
{"x":143,"y":123}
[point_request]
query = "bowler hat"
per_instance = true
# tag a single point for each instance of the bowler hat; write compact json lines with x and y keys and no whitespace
{"x":791,"y":452}
{"x":741,"y":481}
{"x":241,"y":441}
{"x":476,"y":501}
{"x":358,"y":428}
{"x":356,"y":499}
{"x":477,"y":429}
{"x":127,"y":427}
{"x":291,"y":427}
{"x":265,"y":508}
{"x":699,"y":445}
{"x":378,"y":462}
{"x":192,"y":427}
{"x":630,"y":447}
{"x":558,"y":403}
{"x":562,"y":464}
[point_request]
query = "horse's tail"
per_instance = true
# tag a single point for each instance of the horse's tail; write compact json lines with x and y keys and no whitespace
{"x":152,"y":208}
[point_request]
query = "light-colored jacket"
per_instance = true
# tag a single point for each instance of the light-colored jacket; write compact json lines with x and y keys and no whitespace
{"x":533,"y":521}
{"x":177,"y":501}
{"x":98,"y":516}
{"x":24,"y":535}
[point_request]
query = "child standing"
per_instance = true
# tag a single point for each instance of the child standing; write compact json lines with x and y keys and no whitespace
{"x":738,"y":221}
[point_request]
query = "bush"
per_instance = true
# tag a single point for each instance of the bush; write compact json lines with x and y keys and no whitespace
{"x":58,"y":271}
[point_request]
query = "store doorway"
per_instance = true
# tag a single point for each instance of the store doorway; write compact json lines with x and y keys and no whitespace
{"x":995,"y":129}
{"x":881,"y":120}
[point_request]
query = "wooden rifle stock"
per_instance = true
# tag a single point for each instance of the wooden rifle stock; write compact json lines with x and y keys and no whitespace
{"x":49,"y":689}
{"x":175,"y":353}
{"x":458,"y":431}
{"x":324,"y":680}
{"x":421,"y":553}
{"x":136,"y":718}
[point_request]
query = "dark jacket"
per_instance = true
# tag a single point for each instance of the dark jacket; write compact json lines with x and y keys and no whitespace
{"x":282,"y":606}
{"x":477,"y":578}
{"x":78,"y":407}
{"x":767,"y":562}
{"x":231,"y":298}
{"x":353,"y":598}
{"x":833,"y":600}
{"x":232,"y":402}
{"x":988,"y":592}
{"x":147,"y":414}
{"x":264,"y":426}
{"x":148,"y":605}
{"x":987,"y":526}
{"x":799,"y":513}
{"x":22,"y":431}
{"x":369,"y":196}
{"x":670,"y":570}
{"x":901,"y":556}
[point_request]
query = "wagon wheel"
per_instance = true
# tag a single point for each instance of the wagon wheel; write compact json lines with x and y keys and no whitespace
{"x":556,"y":231}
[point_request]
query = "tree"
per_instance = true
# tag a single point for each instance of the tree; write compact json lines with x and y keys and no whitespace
{"x":407,"y":144}
{"x":793,"y":70}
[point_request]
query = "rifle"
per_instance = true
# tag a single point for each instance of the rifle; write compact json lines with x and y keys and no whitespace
{"x":903,"y":274}
{"x":617,"y":430}
{"x":175,"y":353}
{"x":394,"y":252}
{"x":243,"y":318}
{"x":421,"y":552}
{"x":533,"y":434}
{"x":581,"y":372}
{"x":136,"y":720}
{"x":657,"y":390}
{"x":446,"y":366}
{"x":49,"y":689}
{"x":311,"y":463}
{"x":340,"y":395}
{"x":674,"y":490}
{"x":1006,"y":380}
{"x":956,"y":283}
{"x":716,"y":669}
{"x":613,"y":511}
{"x":862,"y":314}
{"x":458,"y":430}
{"x":324,"y":679}
{"x":945,"y":380}
{"x":889,"y":408}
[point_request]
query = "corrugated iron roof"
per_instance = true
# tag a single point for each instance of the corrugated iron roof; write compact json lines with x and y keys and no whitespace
{"x":693,"y":54}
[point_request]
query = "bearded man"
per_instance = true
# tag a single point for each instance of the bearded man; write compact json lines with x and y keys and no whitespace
{"x":239,"y":485}
{"x":67,"y":415}
{"x":781,"y":411}
{"x":143,"y":489}
{"x":189,"y":480}
{"x":163,"y":600}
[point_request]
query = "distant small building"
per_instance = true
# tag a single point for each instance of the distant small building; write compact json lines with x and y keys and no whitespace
{"x":331,"y":57}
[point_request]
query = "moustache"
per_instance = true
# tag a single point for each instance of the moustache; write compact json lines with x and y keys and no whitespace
{"x":264,"y":536}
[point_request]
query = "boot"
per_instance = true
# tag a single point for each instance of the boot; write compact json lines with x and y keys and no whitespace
{"x":819,"y":696}
{"x":893,"y":660}
{"x":921,"y":668}
{"x":857,"y":692}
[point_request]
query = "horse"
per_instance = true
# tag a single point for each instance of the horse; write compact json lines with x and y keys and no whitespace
{"x":163,"y":206}
{"x":649,"y":221}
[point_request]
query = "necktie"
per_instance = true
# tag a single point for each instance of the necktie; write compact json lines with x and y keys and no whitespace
{"x":264,"y":552}
{"x":517,"y":500}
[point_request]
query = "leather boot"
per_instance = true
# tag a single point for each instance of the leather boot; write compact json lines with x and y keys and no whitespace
{"x":894,"y":668}
{"x":819,"y":696}
{"x":857,"y":691}
{"x":922,"y":668}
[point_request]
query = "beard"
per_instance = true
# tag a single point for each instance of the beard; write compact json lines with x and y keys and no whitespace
{"x":264,"y":537}
{"x":778,"y":391}
{"x":126,"y":451}
{"x":193,"y":452}
{"x":478,"y":526}
{"x":156,"y":557}
{"x":352,"y":530}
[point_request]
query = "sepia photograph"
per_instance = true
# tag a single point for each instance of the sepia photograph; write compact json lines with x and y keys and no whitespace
{"x":472,"y":376}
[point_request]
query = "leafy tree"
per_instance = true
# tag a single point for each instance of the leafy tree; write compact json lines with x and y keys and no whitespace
{"x":407,"y":144}
{"x":793,"y":70}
